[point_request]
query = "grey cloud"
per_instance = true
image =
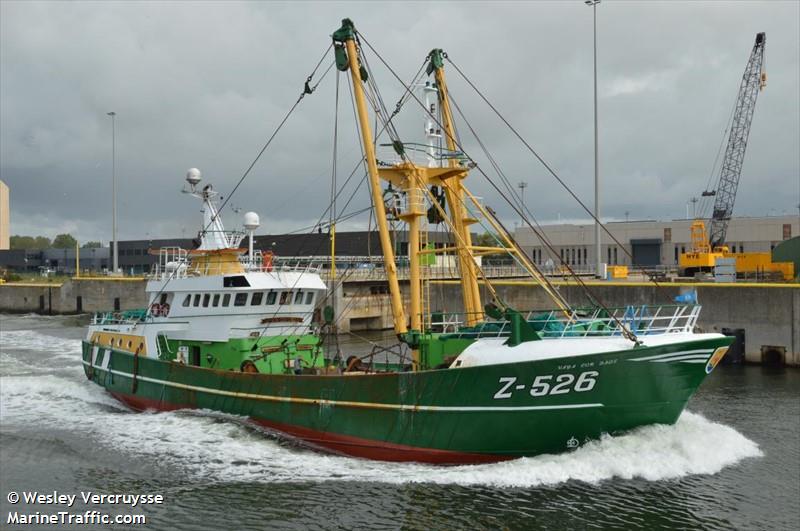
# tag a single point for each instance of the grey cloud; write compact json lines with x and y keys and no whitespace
{"x":203,"y":84}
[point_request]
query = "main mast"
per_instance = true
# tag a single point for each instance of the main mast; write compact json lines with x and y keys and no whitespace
{"x":454,"y":194}
{"x":347,"y":57}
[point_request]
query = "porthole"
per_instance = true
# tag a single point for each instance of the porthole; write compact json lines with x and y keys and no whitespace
{"x":130,"y":344}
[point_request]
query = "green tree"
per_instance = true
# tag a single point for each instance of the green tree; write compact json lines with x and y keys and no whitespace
{"x":491,"y":240}
{"x":29,"y":242}
{"x":485,"y":240}
{"x":64,"y":241}
{"x":92,"y":245}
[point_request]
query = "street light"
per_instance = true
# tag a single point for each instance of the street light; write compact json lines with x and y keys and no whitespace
{"x":522,"y":185}
{"x":114,"y":260}
{"x":593,"y":4}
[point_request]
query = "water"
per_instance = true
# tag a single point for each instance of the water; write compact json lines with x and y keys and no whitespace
{"x":731,"y":462}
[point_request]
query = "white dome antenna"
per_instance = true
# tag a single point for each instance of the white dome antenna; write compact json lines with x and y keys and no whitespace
{"x":193,"y":177}
{"x":251,"y":221}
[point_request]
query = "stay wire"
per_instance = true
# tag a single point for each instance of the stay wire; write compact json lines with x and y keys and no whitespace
{"x":307,"y":89}
{"x":628,"y":334}
{"x":540,"y":233}
{"x":362,"y":161}
{"x":554,"y":174}
{"x":705,"y":199}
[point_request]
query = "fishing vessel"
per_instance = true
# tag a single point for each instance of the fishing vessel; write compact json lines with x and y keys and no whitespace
{"x":228,"y":330}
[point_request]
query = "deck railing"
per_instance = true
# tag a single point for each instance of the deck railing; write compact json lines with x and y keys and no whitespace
{"x":125,"y":317}
{"x":173,"y":262}
{"x":641,"y":320}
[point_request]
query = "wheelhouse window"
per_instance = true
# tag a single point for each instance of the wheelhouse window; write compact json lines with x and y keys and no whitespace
{"x":206,"y":300}
{"x":215,"y":301}
{"x":257,"y":298}
{"x":187,"y":300}
{"x":286,"y":296}
{"x":226,"y":299}
{"x":298,"y":298}
{"x":271,"y":296}
{"x":196,"y":300}
{"x":309,"y":297}
{"x":235,"y":282}
{"x":240,"y":300}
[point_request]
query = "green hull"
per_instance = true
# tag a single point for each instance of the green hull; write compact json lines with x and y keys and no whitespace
{"x":458,"y":415}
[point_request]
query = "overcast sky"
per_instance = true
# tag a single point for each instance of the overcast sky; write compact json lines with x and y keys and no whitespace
{"x":204,"y":84}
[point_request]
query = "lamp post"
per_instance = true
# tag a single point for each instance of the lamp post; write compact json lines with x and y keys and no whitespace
{"x":593,"y":4}
{"x":694,"y":201}
{"x":522,"y":185}
{"x":114,"y":259}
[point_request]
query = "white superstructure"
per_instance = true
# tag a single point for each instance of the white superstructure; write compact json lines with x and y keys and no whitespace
{"x":216,"y":292}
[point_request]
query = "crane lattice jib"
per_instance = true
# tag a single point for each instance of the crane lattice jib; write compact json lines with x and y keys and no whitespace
{"x":752,"y":82}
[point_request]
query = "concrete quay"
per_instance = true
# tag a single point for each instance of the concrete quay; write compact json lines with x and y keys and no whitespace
{"x":75,"y":295}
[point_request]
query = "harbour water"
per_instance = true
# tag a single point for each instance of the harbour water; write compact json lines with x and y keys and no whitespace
{"x":731,"y":462}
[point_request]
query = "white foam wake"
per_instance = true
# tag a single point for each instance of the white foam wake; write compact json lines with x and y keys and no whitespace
{"x":229,"y":452}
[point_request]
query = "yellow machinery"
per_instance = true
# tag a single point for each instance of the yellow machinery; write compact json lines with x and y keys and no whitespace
{"x":702,"y":258}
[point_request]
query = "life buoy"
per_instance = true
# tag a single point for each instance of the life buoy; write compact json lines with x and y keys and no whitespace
{"x":155,"y":309}
{"x":164,"y":309}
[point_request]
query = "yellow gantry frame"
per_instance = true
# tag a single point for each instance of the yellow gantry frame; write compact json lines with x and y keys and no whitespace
{"x":454,"y":194}
{"x":414,"y":180}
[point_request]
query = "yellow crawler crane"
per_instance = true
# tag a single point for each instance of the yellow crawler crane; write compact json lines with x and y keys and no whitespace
{"x":706,"y":249}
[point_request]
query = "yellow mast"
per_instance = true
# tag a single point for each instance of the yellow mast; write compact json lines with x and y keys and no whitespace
{"x":454,"y":191}
{"x":411,"y":216}
{"x":346,"y":35}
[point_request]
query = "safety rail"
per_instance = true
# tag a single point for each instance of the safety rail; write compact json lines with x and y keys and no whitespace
{"x":173,"y":262}
{"x":296,"y":265}
{"x":125,"y":317}
{"x":640,"y":319}
{"x":229,"y":239}
{"x":257,"y":262}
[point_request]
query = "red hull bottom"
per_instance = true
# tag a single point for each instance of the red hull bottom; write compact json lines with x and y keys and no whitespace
{"x":340,"y":444}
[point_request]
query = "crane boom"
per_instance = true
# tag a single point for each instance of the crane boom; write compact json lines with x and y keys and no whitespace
{"x":753,"y":81}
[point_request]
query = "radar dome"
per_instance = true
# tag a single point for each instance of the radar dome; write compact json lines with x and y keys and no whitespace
{"x":193,"y":176}
{"x":251,"y":221}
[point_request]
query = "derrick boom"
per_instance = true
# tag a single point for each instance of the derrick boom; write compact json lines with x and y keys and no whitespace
{"x":753,"y":80}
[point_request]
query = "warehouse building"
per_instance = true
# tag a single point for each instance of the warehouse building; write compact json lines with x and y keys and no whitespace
{"x":648,"y":242}
{"x":351,"y":247}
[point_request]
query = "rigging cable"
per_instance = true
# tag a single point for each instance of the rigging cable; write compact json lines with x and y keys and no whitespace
{"x":625,"y":331}
{"x":551,"y":171}
{"x":307,"y":89}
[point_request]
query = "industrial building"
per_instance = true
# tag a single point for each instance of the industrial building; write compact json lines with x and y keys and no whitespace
{"x":355,"y":246}
{"x":60,"y":261}
{"x":649,"y":242}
